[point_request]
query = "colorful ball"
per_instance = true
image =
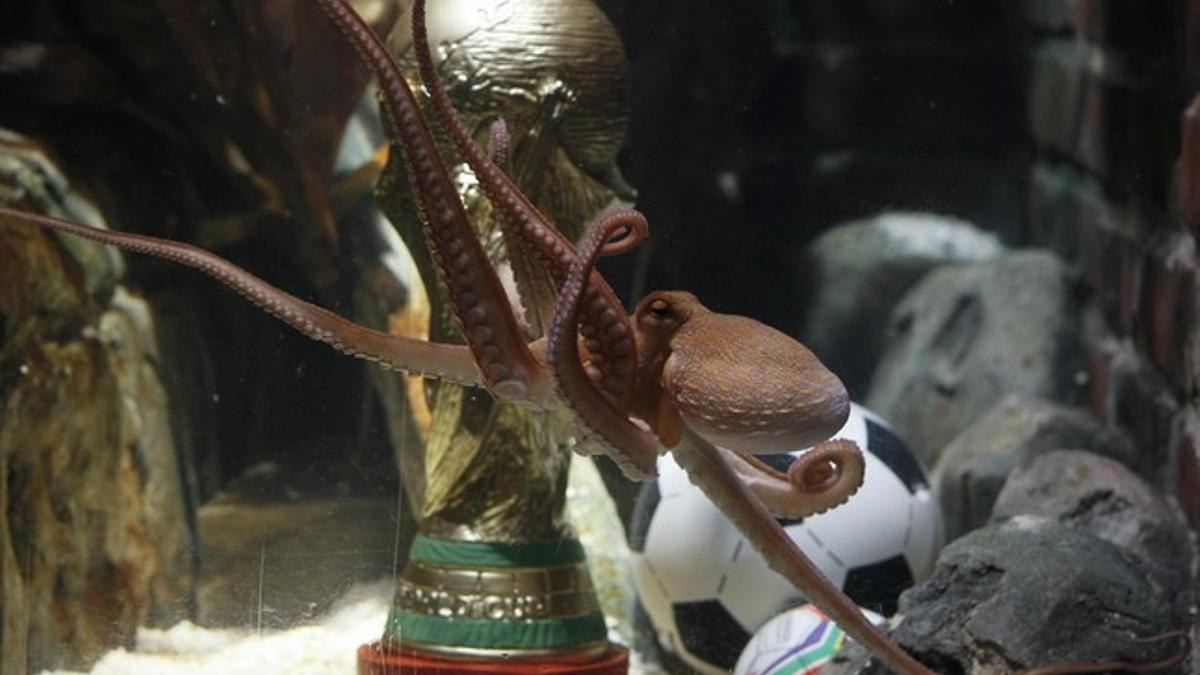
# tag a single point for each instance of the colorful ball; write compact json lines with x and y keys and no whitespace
{"x":797,"y":642}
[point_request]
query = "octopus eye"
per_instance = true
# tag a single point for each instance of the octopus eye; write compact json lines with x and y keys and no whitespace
{"x":660,"y":309}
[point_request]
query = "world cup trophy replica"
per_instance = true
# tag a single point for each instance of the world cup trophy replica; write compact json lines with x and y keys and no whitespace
{"x":496,"y":580}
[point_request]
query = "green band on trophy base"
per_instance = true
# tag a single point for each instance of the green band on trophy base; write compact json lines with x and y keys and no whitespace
{"x":446,"y":634}
{"x":477,"y":554}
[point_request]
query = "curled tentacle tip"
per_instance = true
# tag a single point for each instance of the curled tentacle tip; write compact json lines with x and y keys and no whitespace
{"x":632,"y":231}
{"x":815,"y":477}
{"x":617,"y":241}
{"x":832,"y":467}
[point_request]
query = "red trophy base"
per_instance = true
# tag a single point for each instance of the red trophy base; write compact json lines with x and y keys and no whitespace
{"x":376,"y":659}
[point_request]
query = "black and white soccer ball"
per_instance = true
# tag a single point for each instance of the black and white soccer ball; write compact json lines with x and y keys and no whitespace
{"x":706,"y":590}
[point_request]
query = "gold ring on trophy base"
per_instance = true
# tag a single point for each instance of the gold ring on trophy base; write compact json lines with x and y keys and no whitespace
{"x":500,"y":594}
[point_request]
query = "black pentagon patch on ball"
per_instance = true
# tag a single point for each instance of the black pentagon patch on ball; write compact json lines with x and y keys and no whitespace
{"x":887,"y":446}
{"x":877,"y":586}
{"x":780,"y":461}
{"x":710,"y":632}
{"x":643,"y":513}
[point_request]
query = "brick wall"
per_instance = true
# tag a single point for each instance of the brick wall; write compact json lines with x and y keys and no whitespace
{"x":1114,"y":185}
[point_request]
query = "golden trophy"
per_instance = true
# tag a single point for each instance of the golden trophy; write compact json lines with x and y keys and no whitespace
{"x":495,"y":580}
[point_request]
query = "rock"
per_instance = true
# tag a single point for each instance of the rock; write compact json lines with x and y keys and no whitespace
{"x":93,"y":531}
{"x":859,"y":270}
{"x":973,"y":467}
{"x":967,"y":335}
{"x":94,"y":538}
{"x":28,"y":177}
{"x":1033,"y":592}
{"x":1105,"y":498}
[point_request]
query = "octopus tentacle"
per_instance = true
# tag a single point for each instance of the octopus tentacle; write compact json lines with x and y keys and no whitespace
{"x":536,"y":288}
{"x":478,"y":298}
{"x":500,"y":151}
{"x":416,"y":357}
{"x":632,"y":231}
{"x":820,"y":479}
{"x":1185,"y":650}
{"x":634,"y":450}
{"x":707,"y":469}
{"x":520,"y":219}
{"x":500,"y":144}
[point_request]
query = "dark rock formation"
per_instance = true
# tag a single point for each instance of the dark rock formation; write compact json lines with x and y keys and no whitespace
{"x":1033,"y":592}
{"x":973,"y":467}
{"x":94,"y":539}
{"x":1103,"y":497}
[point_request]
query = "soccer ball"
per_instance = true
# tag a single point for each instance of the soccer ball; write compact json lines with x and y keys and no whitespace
{"x":706,"y":590}
{"x":799,"y":642}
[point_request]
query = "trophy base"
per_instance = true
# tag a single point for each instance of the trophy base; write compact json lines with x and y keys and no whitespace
{"x":376,"y":658}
